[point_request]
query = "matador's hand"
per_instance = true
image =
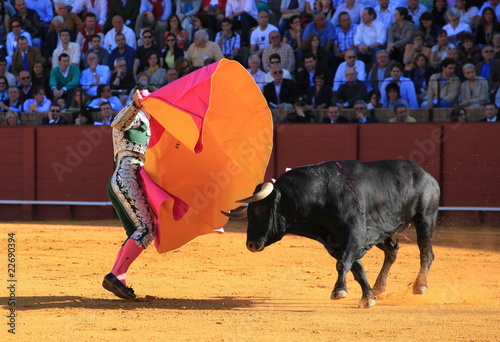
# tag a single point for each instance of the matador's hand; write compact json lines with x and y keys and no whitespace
{"x":137,"y":98}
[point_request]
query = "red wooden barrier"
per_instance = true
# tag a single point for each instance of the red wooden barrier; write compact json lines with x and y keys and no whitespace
{"x":303,"y":144}
{"x":74,"y":163}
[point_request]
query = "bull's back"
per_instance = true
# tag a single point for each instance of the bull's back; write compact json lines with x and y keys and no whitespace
{"x":390,"y":172}
{"x":383,"y":190}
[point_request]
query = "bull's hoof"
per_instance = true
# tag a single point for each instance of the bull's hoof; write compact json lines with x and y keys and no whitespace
{"x":420,"y":289}
{"x":338,"y":294}
{"x":366,"y":303}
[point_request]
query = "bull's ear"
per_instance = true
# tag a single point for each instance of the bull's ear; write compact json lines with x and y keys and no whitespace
{"x":264,"y":191}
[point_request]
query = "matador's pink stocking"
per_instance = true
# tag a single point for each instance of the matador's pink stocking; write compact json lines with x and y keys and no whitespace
{"x":126,"y":256}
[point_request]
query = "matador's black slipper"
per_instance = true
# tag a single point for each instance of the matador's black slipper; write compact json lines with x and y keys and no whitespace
{"x":112,"y":284}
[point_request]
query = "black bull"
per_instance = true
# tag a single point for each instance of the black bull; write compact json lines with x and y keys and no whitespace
{"x":349,"y":206}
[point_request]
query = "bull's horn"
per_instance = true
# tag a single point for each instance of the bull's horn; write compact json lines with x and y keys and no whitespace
{"x":236,"y":214}
{"x":266,"y":189}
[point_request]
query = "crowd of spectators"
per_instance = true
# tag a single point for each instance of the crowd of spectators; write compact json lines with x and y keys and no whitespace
{"x":77,"y":55}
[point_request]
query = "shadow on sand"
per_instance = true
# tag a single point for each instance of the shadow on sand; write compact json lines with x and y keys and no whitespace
{"x":65,"y":302}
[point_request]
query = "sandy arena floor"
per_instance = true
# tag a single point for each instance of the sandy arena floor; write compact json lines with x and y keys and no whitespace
{"x":213,"y":289}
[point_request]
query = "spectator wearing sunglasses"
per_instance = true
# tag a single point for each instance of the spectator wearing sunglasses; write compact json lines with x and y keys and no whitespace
{"x":140,"y":62}
{"x":275,"y":60}
{"x":361,"y":112}
{"x":54,"y":117}
{"x":351,"y":61}
{"x":281,"y":92}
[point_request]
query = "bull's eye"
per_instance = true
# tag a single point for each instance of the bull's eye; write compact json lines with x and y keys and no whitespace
{"x":259,"y":211}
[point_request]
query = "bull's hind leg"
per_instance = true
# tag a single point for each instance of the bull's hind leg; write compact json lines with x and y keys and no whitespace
{"x":368,"y":299}
{"x":425,"y":228}
{"x":390,"y":247}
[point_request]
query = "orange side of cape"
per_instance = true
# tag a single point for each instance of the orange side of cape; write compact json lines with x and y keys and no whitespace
{"x":210,"y":146}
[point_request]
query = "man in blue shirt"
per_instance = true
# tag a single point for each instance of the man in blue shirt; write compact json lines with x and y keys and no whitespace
{"x":122,"y":50}
{"x":324,"y":29}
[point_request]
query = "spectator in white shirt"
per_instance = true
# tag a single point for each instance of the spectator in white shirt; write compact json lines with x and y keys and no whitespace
{"x":255,"y":71}
{"x":351,"y":61}
{"x":259,"y":39}
{"x":119,"y":27}
{"x":94,"y":75}
{"x":39,"y":103}
{"x":71,"y":49}
{"x":370,"y":36}
{"x":17,"y":31}
{"x":454,"y":27}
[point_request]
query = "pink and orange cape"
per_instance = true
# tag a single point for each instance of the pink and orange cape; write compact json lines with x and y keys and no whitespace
{"x":211,"y":139}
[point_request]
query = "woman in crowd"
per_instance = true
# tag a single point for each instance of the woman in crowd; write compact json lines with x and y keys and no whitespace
{"x":393,"y":93}
{"x":474,"y":90}
{"x":201,"y":22}
{"x":399,"y":33}
{"x":174,"y":26}
{"x":458,"y":114}
{"x":171,"y":52}
{"x":468,"y":51}
{"x":313,"y":46}
{"x":420,"y":74}
{"x":319,"y":94}
{"x":157,"y":75}
{"x":12,"y":119}
{"x":79,"y":100}
{"x":288,"y":9}
{"x":292,"y":36}
{"x":373,"y":100}
{"x":429,"y":29}
{"x":468,"y":12}
{"x":183,"y":66}
{"x":487,"y":26}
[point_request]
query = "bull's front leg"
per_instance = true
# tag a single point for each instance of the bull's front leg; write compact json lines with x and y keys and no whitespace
{"x":340,"y":289}
{"x":346,"y":256}
{"x":368,"y":299}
